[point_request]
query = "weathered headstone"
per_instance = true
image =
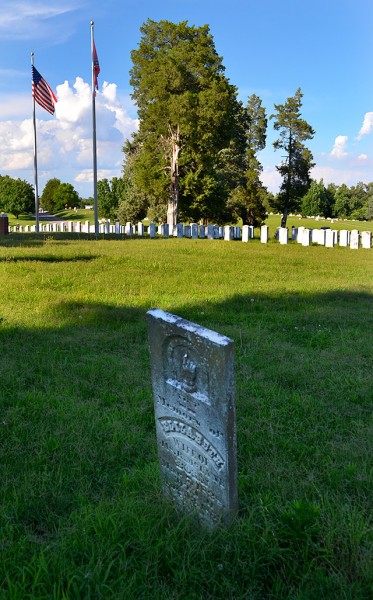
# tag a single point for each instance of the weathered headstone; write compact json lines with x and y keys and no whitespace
{"x":152,"y":230}
{"x":283,"y":235}
{"x":300,"y":234}
{"x":237,"y":232}
{"x":329,"y":238}
{"x":228,"y":233}
{"x":140,"y":229}
{"x":179,"y":230}
{"x":165,"y":230}
{"x":344,"y":237}
{"x":202,"y":231}
{"x":354,"y":239}
{"x":321,"y":236}
{"x":210,"y":232}
{"x":366,"y":239}
{"x":264,"y":233}
{"x":306,"y":237}
{"x":193,"y":387}
{"x":245,"y":233}
{"x":187,"y":231}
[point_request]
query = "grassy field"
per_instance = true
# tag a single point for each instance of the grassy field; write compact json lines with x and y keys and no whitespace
{"x":82,"y":514}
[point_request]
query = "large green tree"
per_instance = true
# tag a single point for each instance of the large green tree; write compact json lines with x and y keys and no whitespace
{"x":110,"y":194}
{"x":317,"y":200}
{"x":47,"y":200}
{"x":298,"y":160}
{"x":246,"y":200}
{"x":16,"y":196}
{"x":187,"y":115}
{"x":66,"y":196}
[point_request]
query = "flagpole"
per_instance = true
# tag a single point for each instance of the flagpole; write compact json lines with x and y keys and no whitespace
{"x":94,"y":145}
{"x":35,"y":161}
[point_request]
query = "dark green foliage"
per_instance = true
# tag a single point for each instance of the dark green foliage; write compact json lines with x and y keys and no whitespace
{"x":369,"y":209}
{"x":110,"y":194}
{"x":66,"y":196}
{"x":295,"y":168}
{"x":47,"y":201}
{"x":16,"y":196}
{"x":188,"y":114}
{"x":317,"y":201}
{"x":246,"y":200}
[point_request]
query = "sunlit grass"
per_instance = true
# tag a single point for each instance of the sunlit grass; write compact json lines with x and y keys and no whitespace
{"x":82,"y":511}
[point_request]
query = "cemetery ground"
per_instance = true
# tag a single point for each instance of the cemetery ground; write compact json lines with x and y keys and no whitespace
{"x":82,"y":512}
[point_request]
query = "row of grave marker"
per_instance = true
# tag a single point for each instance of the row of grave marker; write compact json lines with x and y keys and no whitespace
{"x":303,"y":235}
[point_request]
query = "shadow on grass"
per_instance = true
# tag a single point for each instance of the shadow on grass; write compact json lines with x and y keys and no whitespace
{"x":26,"y":240}
{"x":77,"y":430}
{"x":49,"y":259}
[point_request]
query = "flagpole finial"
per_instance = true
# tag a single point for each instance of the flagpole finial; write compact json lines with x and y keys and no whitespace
{"x":92,"y":22}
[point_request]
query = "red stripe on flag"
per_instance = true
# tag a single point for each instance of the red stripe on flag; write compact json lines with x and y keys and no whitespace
{"x":42,"y":92}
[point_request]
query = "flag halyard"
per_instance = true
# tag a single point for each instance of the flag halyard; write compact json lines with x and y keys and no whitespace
{"x":42,"y":92}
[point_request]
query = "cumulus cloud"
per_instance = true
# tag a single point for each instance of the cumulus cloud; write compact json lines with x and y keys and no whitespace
{"x":64,"y":142}
{"x":362,"y":157}
{"x":367,"y":125}
{"x":339,"y":148}
{"x":272,"y":179}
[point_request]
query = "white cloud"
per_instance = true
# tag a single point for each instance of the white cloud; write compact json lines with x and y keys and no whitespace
{"x":339,"y":148}
{"x":349,"y":176}
{"x":272,"y":180}
{"x":362,"y":157}
{"x":64,"y":143}
{"x":367,"y":125}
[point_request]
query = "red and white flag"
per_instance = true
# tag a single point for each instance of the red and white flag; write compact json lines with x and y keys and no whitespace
{"x":42,"y":92}
{"x":96,"y":67}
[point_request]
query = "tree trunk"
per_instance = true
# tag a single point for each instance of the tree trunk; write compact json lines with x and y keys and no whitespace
{"x":173,"y":200}
{"x":284,"y":217}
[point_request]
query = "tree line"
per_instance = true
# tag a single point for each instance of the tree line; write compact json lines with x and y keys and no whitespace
{"x":17,"y":196}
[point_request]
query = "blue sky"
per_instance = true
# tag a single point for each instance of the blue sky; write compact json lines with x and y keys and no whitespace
{"x":269,"y":48}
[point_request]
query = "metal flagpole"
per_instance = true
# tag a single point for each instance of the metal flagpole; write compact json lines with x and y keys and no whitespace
{"x":35,"y":161}
{"x":94,"y":136}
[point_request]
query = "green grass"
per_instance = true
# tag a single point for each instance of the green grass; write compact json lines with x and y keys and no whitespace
{"x":82,"y":514}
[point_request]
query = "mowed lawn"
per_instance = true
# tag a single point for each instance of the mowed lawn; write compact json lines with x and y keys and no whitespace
{"x":82,"y":513}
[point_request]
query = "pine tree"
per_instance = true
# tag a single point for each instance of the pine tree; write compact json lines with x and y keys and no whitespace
{"x":297,"y":163}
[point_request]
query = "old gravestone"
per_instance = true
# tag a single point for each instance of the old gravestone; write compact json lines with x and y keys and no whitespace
{"x":193,"y":388}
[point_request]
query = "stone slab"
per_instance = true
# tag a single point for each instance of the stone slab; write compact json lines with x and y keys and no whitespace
{"x":194,"y":403}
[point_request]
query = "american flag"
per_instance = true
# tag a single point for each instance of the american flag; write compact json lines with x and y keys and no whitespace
{"x":96,"y":67}
{"x":42,"y":93}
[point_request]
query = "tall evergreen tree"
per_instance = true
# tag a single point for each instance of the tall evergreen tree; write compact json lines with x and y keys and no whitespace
{"x":187,"y":114}
{"x":247,"y":199}
{"x":295,"y":169}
